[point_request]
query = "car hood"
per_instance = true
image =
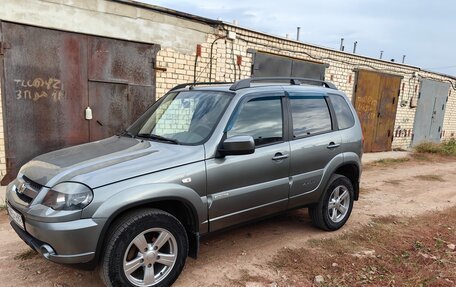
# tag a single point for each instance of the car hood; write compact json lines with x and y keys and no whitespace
{"x":109,"y":160}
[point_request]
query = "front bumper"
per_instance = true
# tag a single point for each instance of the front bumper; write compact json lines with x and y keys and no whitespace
{"x":71,"y":242}
{"x":48,"y":252}
{"x":61,"y":237}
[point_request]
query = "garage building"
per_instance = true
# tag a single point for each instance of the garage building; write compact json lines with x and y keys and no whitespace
{"x":74,"y":71}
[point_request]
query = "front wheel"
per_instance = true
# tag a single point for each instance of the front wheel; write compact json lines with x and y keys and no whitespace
{"x":147,"y":247}
{"x":335,"y":205}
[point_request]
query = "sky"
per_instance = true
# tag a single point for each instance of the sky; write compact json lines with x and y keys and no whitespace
{"x":424,"y":31}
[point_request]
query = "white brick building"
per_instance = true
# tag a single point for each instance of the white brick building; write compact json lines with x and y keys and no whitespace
{"x":175,"y":36}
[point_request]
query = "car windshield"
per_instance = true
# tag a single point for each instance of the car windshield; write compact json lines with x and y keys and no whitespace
{"x":187,"y":117}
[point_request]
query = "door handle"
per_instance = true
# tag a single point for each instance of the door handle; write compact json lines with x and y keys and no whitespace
{"x":333,"y":145}
{"x":279,"y":156}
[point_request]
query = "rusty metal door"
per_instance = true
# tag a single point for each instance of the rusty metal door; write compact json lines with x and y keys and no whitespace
{"x":387,"y":108}
{"x":51,"y":77}
{"x":122,"y":84}
{"x":45,"y":92}
{"x":376,"y":96}
{"x":430,"y":111}
{"x":269,"y":65}
{"x":115,"y":106}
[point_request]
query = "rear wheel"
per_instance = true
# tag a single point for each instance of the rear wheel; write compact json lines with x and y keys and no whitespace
{"x":145,"y":248}
{"x":335,"y":206}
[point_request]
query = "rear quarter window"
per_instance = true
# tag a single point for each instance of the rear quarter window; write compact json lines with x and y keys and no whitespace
{"x":343,"y":112}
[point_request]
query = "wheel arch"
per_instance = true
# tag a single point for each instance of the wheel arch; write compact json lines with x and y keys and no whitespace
{"x":351,"y":170}
{"x":178,"y":207}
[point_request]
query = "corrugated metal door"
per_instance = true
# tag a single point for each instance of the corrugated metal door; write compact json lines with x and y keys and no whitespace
{"x":269,"y":65}
{"x":46,"y":89}
{"x":376,"y":96}
{"x":430,"y":111}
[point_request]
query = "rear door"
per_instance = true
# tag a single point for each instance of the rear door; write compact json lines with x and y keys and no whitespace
{"x":315,"y":141}
{"x":244,"y":187}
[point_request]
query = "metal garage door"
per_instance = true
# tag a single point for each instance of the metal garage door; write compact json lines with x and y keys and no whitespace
{"x":269,"y":65}
{"x":51,"y":77}
{"x":430,"y":111}
{"x":375,"y":100}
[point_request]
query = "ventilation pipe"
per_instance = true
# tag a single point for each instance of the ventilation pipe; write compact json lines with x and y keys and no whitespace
{"x":298,"y":30}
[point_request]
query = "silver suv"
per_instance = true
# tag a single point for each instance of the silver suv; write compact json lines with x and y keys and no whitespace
{"x":202,"y":158}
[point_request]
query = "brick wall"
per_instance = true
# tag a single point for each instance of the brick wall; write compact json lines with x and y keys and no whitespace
{"x":341,"y":71}
{"x":178,"y":37}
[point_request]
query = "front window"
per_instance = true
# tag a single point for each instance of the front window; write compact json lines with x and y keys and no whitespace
{"x":187,"y":117}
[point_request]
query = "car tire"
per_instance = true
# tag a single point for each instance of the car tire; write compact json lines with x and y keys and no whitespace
{"x":147,"y":247}
{"x":335,"y":205}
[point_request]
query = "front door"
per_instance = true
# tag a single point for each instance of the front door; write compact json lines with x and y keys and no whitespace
{"x":243,"y":187}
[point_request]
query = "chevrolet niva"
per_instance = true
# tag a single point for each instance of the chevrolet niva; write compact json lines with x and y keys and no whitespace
{"x":202,"y":158}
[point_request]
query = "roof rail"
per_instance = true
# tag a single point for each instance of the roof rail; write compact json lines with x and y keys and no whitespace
{"x":191,"y":85}
{"x":245,"y":83}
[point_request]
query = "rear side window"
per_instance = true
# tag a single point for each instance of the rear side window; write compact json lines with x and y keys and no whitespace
{"x":260,"y":118}
{"x":310,"y":115}
{"x":343,"y":113}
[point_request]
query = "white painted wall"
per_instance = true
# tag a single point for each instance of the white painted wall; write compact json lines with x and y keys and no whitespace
{"x":109,"y":19}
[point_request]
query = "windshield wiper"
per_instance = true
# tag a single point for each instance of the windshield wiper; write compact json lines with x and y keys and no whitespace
{"x":159,"y":138}
{"x":127,"y":133}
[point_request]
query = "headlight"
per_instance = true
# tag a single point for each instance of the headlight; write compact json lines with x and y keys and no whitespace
{"x":68,"y":196}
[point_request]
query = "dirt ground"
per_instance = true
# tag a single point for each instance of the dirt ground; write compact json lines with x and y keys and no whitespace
{"x":404,"y":189}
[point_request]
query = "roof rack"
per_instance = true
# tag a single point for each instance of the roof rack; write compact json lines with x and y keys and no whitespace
{"x":245,"y":83}
{"x":191,"y":85}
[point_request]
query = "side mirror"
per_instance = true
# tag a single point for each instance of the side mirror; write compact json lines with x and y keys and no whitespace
{"x":237,"y":145}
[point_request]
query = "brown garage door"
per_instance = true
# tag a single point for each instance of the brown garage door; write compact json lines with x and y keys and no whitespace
{"x":51,"y":77}
{"x":376,"y":97}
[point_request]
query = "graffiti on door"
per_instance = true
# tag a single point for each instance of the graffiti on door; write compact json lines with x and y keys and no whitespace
{"x":39,"y":88}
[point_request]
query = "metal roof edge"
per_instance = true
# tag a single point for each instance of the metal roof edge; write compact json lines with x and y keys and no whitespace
{"x":169,"y":11}
{"x":320,"y":47}
{"x":221,"y":23}
{"x":437,"y":73}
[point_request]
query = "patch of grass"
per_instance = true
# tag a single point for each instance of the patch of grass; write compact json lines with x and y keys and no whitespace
{"x":429,"y":177}
{"x":445,"y":148}
{"x":387,"y":162}
{"x":246,"y":277}
{"x":28,"y":254}
{"x":421,"y":156}
{"x":2,"y":207}
{"x":386,"y":252}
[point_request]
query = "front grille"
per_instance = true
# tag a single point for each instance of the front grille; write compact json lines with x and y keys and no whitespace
{"x":24,"y":197}
{"x":28,"y":190}
{"x":30,"y":183}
